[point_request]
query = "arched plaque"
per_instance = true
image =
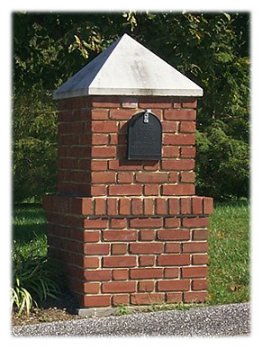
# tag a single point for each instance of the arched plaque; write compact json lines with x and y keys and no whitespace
{"x":144,"y":137}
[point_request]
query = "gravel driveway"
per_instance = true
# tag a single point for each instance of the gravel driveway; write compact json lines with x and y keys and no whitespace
{"x":223,"y":320}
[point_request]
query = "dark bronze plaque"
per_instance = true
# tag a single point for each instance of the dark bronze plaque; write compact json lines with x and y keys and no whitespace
{"x":144,"y":137}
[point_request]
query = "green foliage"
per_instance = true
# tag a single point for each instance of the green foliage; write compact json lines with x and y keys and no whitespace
{"x":34,"y":277}
{"x":34,"y":280}
{"x":222,"y":163}
{"x":34,"y":146}
{"x":229,"y":260}
{"x":212,"y":49}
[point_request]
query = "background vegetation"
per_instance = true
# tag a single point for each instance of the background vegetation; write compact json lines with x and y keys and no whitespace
{"x":212,"y":49}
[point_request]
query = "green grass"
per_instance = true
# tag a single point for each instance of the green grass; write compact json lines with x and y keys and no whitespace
{"x":29,"y":229}
{"x":228,"y":246}
{"x":229,"y":253}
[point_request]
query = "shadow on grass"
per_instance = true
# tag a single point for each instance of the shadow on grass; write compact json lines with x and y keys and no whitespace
{"x":29,"y":222}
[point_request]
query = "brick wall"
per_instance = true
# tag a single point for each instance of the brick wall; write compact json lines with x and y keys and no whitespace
{"x":130,"y":232}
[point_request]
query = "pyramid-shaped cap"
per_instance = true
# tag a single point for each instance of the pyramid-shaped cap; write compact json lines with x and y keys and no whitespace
{"x":128,"y":68}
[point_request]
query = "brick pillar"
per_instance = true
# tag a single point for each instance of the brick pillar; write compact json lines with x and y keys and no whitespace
{"x":128,"y":232}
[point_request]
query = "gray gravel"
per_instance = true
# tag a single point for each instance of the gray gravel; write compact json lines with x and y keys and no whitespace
{"x":224,"y":320}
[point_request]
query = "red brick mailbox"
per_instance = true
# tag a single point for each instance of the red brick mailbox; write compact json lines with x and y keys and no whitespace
{"x":128,"y":231}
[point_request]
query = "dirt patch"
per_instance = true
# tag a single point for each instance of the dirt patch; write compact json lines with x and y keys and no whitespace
{"x":64,"y":308}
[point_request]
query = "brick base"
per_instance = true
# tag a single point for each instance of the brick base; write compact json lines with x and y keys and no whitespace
{"x":132,"y":251}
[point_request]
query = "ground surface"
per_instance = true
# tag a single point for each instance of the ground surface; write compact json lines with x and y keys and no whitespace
{"x":52,"y":310}
{"x":224,"y":320}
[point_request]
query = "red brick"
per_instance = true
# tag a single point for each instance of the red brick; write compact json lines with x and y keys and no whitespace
{"x":103,"y":177}
{"x":146,"y":248}
{"x":147,"y":298}
{"x":120,"y":235}
{"x":151,"y":177}
{"x":130,"y":102}
{"x":170,"y":151}
{"x":172,"y":272}
{"x":208,"y":205}
{"x":161,"y":206}
{"x":195,"y":296}
{"x":95,"y":223}
{"x":195,"y":222}
{"x":173,"y":285}
{"x":174,"y":297}
{"x":197,"y":205}
{"x":173,"y":206}
{"x":189,"y":103}
{"x":178,"y":164}
{"x":125,"y":165}
{"x":147,"y":235}
{"x":125,"y":178}
{"x":195,"y":247}
{"x":169,"y":126}
{"x":91,"y":236}
{"x":124,"y":206}
{"x":173,"y":234}
{"x":120,"y":299}
{"x":119,"y":114}
{"x":96,"y":249}
{"x":151,"y":166}
{"x":188,"y":151}
{"x":137,"y":206}
{"x":119,"y":261}
{"x":187,"y":127}
{"x":148,"y":206}
{"x":98,"y":275}
{"x":146,"y":273}
{"x":155,"y":103}
{"x":173,"y":260}
{"x":178,"y":139}
{"x":146,"y":222}
{"x":178,"y":189}
{"x":103,"y":151}
{"x":105,"y":102}
{"x":98,"y":165}
{"x":180,"y":114}
{"x":146,"y":261}
{"x":199,"y":234}
{"x":199,"y":284}
{"x":120,"y":274}
{"x":118,"y":287}
{"x":173,"y":177}
{"x":100,"y":206}
{"x":185,"y":205}
{"x":200,"y":259}
{"x":82,"y":206}
{"x":99,"y":114}
{"x":172,"y":248}
{"x":96,"y":301}
{"x":104,"y":127}
{"x":118,"y":249}
{"x":189,"y":177}
{"x":194,"y":272}
{"x":90,"y":262}
{"x":91,"y":288}
{"x":118,"y":223}
{"x":112,"y":206}
{"x":146,"y":286}
{"x":99,"y":139}
{"x":125,"y":190}
{"x":171,"y":222}
{"x":98,"y":190}
{"x":151,"y":190}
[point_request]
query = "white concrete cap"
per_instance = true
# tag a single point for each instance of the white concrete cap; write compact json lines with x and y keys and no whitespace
{"x":128,"y":68}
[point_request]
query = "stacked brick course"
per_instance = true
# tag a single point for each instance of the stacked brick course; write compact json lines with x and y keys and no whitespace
{"x":128,"y":232}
